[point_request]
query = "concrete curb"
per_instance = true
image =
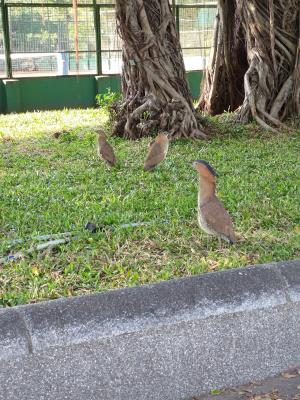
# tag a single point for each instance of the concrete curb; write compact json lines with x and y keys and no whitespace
{"x":166,"y":341}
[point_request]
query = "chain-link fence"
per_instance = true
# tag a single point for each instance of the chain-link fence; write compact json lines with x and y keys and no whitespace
{"x":37,"y":37}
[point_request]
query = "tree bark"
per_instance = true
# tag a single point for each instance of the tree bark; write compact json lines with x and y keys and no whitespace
{"x":267,"y":32}
{"x":156,"y":96}
{"x":223,"y":86}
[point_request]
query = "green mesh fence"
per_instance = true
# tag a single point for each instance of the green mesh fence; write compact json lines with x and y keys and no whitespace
{"x":196,"y":33}
{"x":111,"y":44}
{"x":2,"y":58}
{"x":42,"y":36}
{"x":42,"y":40}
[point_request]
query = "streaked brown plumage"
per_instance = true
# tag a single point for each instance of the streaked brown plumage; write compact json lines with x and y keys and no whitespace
{"x":151,"y":143}
{"x":212,"y":216}
{"x":105,"y":150}
{"x":157,"y":151}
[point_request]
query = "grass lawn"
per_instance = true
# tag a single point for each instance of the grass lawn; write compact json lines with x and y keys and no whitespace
{"x":51,"y":185}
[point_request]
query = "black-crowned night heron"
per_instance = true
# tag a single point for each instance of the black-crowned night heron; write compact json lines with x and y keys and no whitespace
{"x":105,"y":150}
{"x":157,"y":151}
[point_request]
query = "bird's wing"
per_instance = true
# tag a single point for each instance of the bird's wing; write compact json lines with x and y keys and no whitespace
{"x":218,"y":219}
{"x":155,"y":155}
{"x":107,"y":153}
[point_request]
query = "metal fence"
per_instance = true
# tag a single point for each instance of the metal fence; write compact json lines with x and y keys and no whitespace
{"x":37,"y":37}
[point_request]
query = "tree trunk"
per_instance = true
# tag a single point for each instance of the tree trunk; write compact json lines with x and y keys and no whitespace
{"x":267,"y":31}
{"x":223,"y":86}
{"x":155,"y":91}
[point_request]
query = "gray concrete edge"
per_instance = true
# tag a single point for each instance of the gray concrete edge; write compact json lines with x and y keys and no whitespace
{"x":36,"y":328}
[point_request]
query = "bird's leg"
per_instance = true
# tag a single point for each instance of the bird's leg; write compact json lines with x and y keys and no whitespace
{"x":208,"y":243}
{"x":220,"y":243}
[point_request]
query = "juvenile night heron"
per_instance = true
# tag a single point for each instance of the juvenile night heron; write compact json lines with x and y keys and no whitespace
{"x":105,"y":150}
{"x":212,"y":216}
{"x":157,"y":151}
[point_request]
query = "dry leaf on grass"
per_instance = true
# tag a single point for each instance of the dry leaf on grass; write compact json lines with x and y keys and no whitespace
{"x":245,"y":391}
{"x":289,"y":375}
{"x":266,"y":396}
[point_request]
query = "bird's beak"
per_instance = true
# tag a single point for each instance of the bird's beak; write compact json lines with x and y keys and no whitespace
{"x":194,"y":164}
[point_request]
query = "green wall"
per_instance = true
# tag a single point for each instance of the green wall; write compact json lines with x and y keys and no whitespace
{"x":28,"y":94}
{"x":2,"y":97}
{"x":194,"y":79}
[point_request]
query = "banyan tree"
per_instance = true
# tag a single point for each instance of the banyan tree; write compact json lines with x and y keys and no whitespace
{"x":156,"y":96}
{"x":255,"y":61}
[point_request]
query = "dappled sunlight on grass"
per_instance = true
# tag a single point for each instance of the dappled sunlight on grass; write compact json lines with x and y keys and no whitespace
{"x":57,"y":184}
{"x":15,"y":127}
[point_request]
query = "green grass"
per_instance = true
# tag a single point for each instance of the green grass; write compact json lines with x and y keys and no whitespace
{"x":51,"y":185}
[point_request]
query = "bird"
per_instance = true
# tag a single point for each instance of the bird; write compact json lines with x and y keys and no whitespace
{"x":105,"y":150}
{"x":212,"y":216}
{"x":157,"y":151}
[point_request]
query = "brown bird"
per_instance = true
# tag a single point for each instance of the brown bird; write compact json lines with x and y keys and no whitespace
{"x":157,"y":151}
{"x":105,"y":150}
{"x":212,"y":216}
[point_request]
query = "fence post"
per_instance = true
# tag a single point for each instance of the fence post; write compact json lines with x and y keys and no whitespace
{"x":4,"y":15}
{"x":173,"y":6}
{"x":62,"y":60}
{"x":175,"y":11}
{"x":177,"y":19}
{"x":98,"y":37}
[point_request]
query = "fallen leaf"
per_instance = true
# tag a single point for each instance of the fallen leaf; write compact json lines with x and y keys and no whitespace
{"x":288,"y":375}
{"x":35,"y":271}
{"x":243,"y":391}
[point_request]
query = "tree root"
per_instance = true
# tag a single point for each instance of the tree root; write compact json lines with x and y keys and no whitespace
{"x":271,"y":35}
